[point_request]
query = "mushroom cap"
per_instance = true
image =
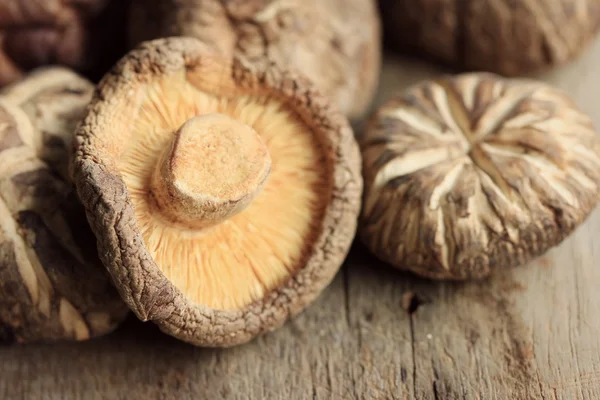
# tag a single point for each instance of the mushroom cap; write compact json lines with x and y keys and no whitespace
{"x":508,"y":37}
{"x":53,"y":286}
{"x":334,"y":43}
{"x":76,"y":33}
{"x":312,"y":208}
{"x":472,"y":173}
{"x":54,"y":99}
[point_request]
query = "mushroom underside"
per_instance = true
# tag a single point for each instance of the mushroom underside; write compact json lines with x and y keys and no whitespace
{"x":229,"y":264}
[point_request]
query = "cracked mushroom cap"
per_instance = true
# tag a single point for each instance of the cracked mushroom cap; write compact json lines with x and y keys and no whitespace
{"x":334,"y":43}
{"x":52,"y":284}
{"x":224,"y":196}
{"x":509,"y":37}
{"x":76,"y":33}
{"x":472,"y":173}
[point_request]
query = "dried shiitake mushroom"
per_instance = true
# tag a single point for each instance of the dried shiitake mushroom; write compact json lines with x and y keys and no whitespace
{"x":52,"y":284}
{"x":335,"y":43}
{"x":81,"y":34}
{"x":224,"y":195}
{"x":54,"y":100}
{"x":472,"y":173}
{"x":509,"y":37}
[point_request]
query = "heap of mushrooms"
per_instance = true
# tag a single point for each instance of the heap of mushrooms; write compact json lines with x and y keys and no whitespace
{"x":223,"y":188}
{"x":223,"y":194}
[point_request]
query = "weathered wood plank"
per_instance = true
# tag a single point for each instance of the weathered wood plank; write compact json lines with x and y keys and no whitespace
{"x":530,"y":332}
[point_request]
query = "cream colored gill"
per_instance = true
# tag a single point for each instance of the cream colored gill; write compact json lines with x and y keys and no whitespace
{"x":238,"y":261}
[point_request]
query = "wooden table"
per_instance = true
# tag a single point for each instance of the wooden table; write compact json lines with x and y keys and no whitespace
{"x":375,"y":333}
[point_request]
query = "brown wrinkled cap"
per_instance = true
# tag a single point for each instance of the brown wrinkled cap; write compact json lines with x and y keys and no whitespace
{"x":224,"y":195}
{"x":52,"y":285}
{"x":54,"y":99}
{"x":334,"y":43}
{"x":508,"y":37}
{"x":468,"y":174}
{"x":81,"y":34}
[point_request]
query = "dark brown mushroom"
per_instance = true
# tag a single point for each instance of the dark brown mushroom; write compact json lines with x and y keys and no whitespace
{"x":508,"y":37}
{"x":87,"y":35}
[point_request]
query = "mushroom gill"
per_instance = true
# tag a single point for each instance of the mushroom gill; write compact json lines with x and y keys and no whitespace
{"x":266,"y":161}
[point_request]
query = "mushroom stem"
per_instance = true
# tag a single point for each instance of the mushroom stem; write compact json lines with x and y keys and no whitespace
{"x":213,"y":169}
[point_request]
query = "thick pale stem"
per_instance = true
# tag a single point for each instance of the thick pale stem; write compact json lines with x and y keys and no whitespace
{"x":212,"y":170}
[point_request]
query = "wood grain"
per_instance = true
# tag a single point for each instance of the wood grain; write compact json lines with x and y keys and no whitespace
{"x":375,"y":333}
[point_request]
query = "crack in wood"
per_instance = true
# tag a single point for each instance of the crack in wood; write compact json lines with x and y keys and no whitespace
{"x":436,"y":396}
{"x":540,"y":385}
{"x":346,"y":290}
{"x":412,"y":347}
{"x":411,"y":302}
